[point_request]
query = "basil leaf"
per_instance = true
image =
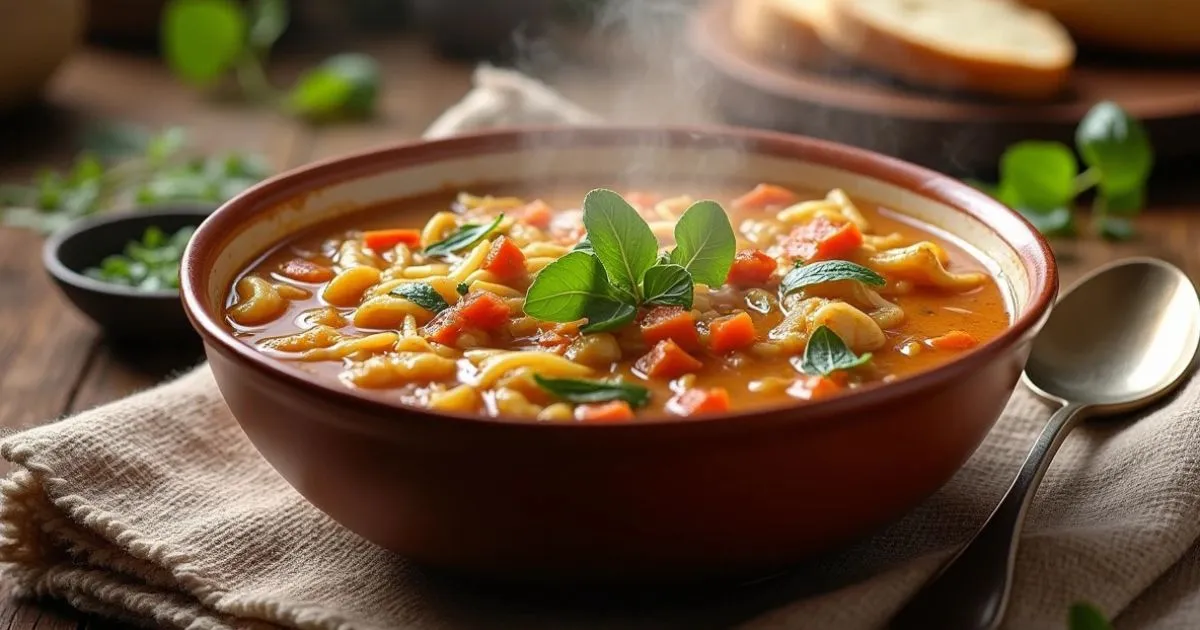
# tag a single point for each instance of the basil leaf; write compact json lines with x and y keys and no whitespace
{"x":583,"y":246}
{"x":343,"y":86}
{"x":203,"y":38}
{"x":704,"y":243}
{"x":1115,"y":144}
{"x":575,"y":287}
{"x":828,"y":271}
{"x":1087,"y":617}
{"x":1038,"y":176}
{"x":422,"y":294}
{"x":668,"y":285}
{"x":1057,"y":222}
{"x":465,"y":236}
{"x":583,"y":391}
{"x":827,"y":353}
{"x":620,"y":238}
{"x":269,"y":18}
{"x":462,"y":288}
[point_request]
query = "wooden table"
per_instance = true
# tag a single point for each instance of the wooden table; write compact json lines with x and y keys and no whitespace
{"x":52,"y":361}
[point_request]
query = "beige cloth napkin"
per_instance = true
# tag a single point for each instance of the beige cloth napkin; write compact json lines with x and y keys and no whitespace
{"x":157,"y":510}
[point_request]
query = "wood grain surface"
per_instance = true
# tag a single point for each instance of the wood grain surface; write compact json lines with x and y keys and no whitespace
{"x":52,"y":362}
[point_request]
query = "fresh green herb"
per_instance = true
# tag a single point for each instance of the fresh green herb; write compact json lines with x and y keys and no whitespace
{"x":1041,"y":180}
{"x":828,"y":271}
{"x":462,"y":288}
{"x":151,"y":264}
{"x":583,"y":391}
{"x":465,"y":236}
{"x":1084,"y":616}
{"x":423,"y":295}
{"x":617,"y":267}
{"x":575,"y":287}
{"x":123,"y":167}
{"x":827,"y":353}
{"x":668,"y":285}
{"x":206,"y":40}
{"x":705,"y":244}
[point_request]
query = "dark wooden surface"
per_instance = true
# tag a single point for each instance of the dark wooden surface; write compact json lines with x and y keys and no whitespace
{"x":52,"y":361}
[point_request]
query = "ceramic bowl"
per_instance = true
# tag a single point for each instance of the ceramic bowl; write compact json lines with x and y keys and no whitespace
{"x":651,"y":501}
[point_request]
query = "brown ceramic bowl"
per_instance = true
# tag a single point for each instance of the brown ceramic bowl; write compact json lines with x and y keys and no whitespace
{"x":657,"y":500}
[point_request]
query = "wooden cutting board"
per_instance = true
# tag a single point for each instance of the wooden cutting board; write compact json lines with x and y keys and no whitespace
{"x":950,"y":133}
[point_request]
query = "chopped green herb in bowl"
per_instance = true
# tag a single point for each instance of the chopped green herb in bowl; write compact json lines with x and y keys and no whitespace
{"x":151,"y":264}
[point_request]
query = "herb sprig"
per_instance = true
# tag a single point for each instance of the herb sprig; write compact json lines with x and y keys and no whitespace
{"x":151,"y":264}
{"x":826,"y":353}
{"x":206,"y":40}
{"x":1042,"y":180}
{"x":617,"y":267}
{"x":828,"y":271}
{"x":584,"y":391}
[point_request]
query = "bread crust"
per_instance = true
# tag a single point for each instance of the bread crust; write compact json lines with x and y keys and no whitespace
{"x":767,"y":31}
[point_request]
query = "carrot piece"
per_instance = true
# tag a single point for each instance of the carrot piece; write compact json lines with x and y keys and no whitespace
{"x":671,"y":322}
{"x":537,"y":213}
{"x":822,"y":239}
{"x":484,"y":310}
{"x":380,"y":240}
{"x":306,"y":271}
{"x":667,"y":360}
{"x":731,"y":332}
{"x":505,"y":259}
{"x":697,"y":401}
{"x":765,"y":196}
{"x":445,"y":327}
{"x":953,"y":340}
{"x":815,"y":387}
{"x":750,"y":268}
{"x":612,"y":411}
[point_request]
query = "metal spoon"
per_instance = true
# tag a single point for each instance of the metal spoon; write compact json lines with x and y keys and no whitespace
{"x":1119,"y":339}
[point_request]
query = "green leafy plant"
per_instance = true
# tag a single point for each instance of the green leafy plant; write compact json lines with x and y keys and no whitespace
{"x":150,"y":264}
{"x":204,"y":41}
{"x":826,"y":353}
{"x":123,"y":167}
{"x":617,"y":267}
{"x":1042,"y":180}
{"x":585,"y":391}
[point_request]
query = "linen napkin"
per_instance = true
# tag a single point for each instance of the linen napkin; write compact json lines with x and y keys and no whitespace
{"x":157,"y":510}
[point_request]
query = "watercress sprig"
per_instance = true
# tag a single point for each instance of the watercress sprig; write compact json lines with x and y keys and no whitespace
{"x":1041,"y":180}
{"x":617,"y":267}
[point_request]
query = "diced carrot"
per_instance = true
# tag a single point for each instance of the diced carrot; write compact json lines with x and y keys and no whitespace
{"x":751,"y":268}
{"x":484,"y":310}
{"x":445,"y":327}
{"x":732,"y":332}
{"x":613,"y":411}
{"x":505,"y":259}
{"x":667,"y":360}
{"x":671,"y":322}
{"x":822,"y":239}
{"x":698,"y":401}
{"x":537,"y":213}
{"x":953,"y":340}
{"x":765,"y":196}
{"x":815,"y":387}
{"x":380,"y":240}
{"x":306,"y":271}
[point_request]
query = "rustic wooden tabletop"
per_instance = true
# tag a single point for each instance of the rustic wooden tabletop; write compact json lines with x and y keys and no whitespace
{"x":52,"y":361}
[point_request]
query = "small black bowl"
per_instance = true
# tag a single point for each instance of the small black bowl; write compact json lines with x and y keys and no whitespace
{"x":126,"y":314}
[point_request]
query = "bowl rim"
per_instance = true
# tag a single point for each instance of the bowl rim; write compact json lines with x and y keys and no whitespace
{"x":1032,"y":249}
{"x":52,"y":248}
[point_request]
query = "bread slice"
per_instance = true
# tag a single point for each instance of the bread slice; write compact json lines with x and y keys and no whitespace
{"x":781,"y":30}
{"x":996,"y":47}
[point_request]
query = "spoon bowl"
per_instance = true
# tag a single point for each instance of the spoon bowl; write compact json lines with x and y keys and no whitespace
{"x":1123,"y":337}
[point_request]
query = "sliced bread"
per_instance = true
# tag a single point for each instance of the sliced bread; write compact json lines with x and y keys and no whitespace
{"x":781,"y":30}
{"x":996,"y":47}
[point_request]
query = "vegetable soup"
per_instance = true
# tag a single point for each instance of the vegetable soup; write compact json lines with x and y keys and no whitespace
{"x":595,"y":306}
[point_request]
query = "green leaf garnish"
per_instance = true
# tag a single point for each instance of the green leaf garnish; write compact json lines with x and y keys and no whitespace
{"x":268,"y":20}
{"x":465,"y":236}
{"x":1038,"y":176}
{"x":826,"y":353}
{"x":575,"y":287}
{"x":1087,"y":617}
{"x":422,"y":294}
{"x":462,"y":288}
{"x":583,"y":246}
{"x":1115,"y":143}
{"x":344,"y":86}
{"x":668,"y":285}
{"x":620,"y":238}
{"x":828,"y":271}
{"x":584,"y":391}
{"x":149,"y":264}
{"x":705,"y":244}
{"x":202,"y":39}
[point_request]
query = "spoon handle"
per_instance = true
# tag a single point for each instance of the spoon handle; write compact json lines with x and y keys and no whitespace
{"x":971,"y":590}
